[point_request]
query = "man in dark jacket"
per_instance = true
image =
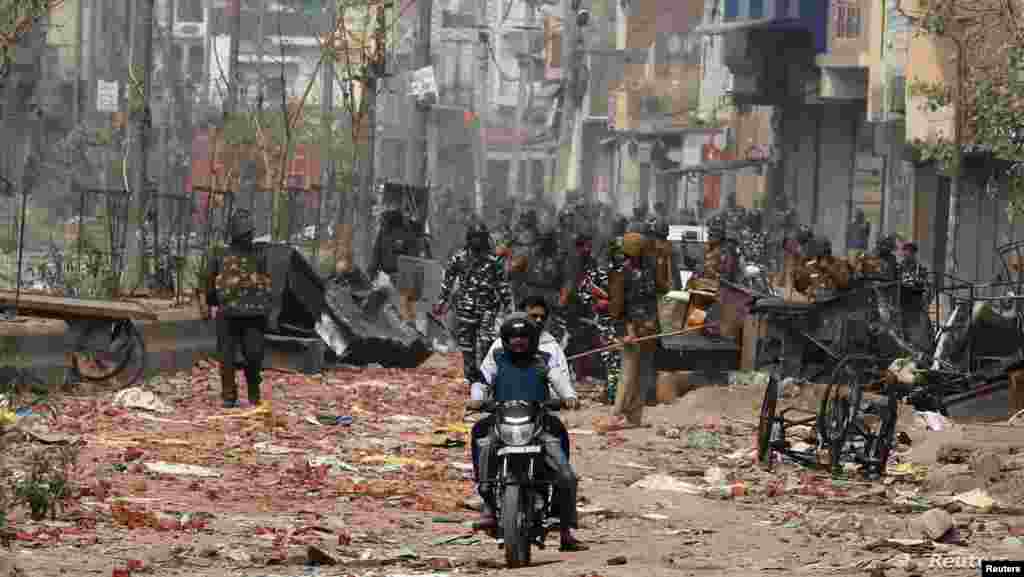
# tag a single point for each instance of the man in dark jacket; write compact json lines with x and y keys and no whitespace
{"x":238,"y":291}
{"x":547,"y":277}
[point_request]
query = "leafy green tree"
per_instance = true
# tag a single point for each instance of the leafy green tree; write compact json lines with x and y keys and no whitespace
{"x":985,"y":39}
{"x":17,"y":17}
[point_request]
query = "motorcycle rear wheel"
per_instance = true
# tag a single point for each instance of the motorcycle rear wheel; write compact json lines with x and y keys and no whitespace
{"x":516,"y":527}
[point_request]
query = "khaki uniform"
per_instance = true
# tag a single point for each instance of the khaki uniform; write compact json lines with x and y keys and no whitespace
{"x":634,"y":299}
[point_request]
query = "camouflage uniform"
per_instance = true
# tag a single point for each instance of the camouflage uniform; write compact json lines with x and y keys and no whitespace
{"x":240,"y":285}
{"x":483,"y":292}
{"x":610,"y":327}
{"x":546,"y":277}
{"x":582,"y":316}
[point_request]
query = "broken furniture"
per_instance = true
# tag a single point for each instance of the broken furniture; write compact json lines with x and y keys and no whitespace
{"x":102,"y":336}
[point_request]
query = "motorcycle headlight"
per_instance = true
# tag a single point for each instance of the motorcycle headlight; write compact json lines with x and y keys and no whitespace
{"x":515,"y":435}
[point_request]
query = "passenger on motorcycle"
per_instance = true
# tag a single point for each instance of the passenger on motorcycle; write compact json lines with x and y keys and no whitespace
{"x":521,"y":372}
{"x":560,"y":381}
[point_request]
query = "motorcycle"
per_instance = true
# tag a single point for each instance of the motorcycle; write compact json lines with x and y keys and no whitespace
{"x":523,"y":494}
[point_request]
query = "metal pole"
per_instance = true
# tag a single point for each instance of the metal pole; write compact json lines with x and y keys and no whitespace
{"x":482,"y":89}
{"x":327,"y":125}
{"x":235,"y":29}
{"x":416,"y":159}
{"x":141,"y":115}
{"x":525,"y":58}
{"x":260,"y":51}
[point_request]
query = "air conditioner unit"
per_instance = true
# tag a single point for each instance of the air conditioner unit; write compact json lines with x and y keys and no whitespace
{"x":190,"y":30}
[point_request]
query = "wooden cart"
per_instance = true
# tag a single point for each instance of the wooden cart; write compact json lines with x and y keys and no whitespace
{"x":102,"y":338}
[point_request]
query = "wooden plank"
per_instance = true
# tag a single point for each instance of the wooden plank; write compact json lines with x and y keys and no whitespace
{"x":34,"y":304}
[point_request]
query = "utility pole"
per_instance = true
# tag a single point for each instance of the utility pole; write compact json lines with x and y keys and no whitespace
{"x":326,"y":121}
{"x":141,"y":118}
{"x":416,"y":158}
{"x":167,"y":184}
{"x":261,"y":94}
{"x":235,"y":30}
{"x":525,"y":58}
{"x":569,"y":98}
{"x":482,"y":88}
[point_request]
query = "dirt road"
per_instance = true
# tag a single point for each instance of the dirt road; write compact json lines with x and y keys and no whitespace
{"x":368,"y":469}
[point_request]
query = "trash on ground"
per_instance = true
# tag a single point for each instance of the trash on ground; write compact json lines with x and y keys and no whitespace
{"x":658,"y":482}
{"x":977,"y":498}
{"x":137,"y":398}
{"x":162,"y":468}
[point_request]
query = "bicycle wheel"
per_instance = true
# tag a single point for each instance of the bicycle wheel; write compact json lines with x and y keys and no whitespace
{"x":104,"y":349}
{"x":839,"y":408}
{"x":767,"y":422}
{"x":881,"y":444}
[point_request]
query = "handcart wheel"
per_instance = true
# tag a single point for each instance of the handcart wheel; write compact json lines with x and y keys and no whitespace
{"x":105,"y":349}
{"x":767,"y":422}
{"x":839,"y":408}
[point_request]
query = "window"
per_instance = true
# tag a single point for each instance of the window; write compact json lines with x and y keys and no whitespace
{"x":190,"y":10}
{"x":845,"y":19}
{"x":196,"y":62}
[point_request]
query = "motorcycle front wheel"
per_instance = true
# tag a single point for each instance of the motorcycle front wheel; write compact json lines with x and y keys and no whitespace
{"x":515,"y":526}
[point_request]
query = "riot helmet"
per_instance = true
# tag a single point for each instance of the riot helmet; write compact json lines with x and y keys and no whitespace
{"x":478,"y":238}
{"x":660,"y":229}
{"x":520,"y":337}
{"x":546,"y":241}
{"x":242,"y":228}
{"x":621,"y":223}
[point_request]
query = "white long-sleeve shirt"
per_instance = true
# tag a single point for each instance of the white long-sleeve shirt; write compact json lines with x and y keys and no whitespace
{"x":559,"y":378}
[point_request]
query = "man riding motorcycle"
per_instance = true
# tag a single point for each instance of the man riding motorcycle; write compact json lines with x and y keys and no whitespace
{"x":521,"y":372}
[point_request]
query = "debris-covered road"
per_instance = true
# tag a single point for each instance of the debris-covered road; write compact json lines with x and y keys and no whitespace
{"x":365,"y":472}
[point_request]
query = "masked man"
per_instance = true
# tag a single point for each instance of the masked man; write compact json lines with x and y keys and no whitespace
{"x":546,"y":278}
{"x":482,"y":292}
{"x":239,"y":286}
{"x":520,"y":371}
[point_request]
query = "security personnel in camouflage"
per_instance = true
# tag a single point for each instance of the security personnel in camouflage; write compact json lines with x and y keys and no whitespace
{"x":610,"y":327}
{"x":547,"y":278}
{"x":582,"y":315}
{"x":483,"y":293}
{"x":240,"y":287}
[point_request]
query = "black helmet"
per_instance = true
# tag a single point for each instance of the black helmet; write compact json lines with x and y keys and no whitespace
{"x":242,"y":225}
{"x":478,"y":237}
{"x":621,"y":223}
{"x":518,"y":324}
{"x":640,"y":227}
{"x":547,"y":239}
{"x":660,"y":229}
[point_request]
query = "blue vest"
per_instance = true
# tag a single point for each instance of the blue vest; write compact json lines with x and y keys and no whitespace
{"x":520,"y":382}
